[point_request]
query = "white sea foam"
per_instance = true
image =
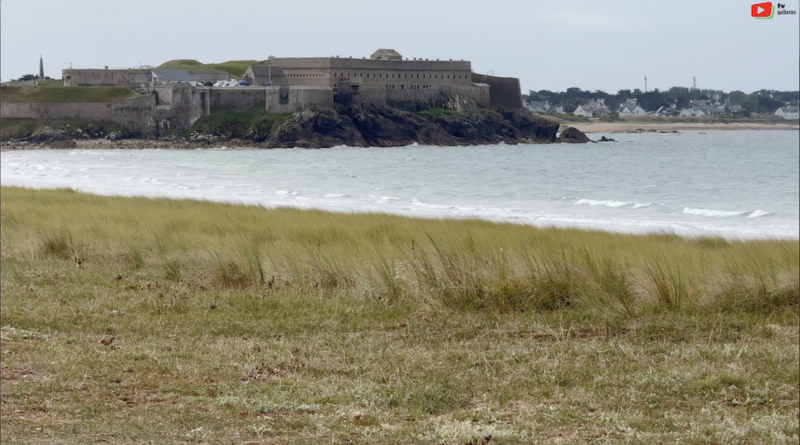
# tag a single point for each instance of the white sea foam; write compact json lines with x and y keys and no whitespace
{"x":710,"y":212}
{"x":593,"y":202}
{"x":490,"y":182}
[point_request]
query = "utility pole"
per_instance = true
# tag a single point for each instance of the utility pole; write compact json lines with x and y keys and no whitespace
{"x":645,"y":84}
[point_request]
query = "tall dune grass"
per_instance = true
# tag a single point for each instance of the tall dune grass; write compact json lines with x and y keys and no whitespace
{"x":131,"y":320}
{"x":449,"y":265}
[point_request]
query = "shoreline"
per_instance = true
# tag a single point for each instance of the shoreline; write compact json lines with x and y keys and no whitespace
{"x":587,"y":128}
{"x":646,"y":126}
{"x":586,"y":227}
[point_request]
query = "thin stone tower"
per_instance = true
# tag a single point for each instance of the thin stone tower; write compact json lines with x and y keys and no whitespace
{"x":41,"y":68}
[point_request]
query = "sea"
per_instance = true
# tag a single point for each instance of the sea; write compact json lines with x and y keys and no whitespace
{"x":735,"y":184}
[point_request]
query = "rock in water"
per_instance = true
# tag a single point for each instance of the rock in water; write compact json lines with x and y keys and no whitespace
{"x":605,"y":139}
{"x":573,"y":136}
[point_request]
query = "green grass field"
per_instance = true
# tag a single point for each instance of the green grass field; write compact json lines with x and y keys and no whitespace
{"x":131,"y":320}
{"x":236,"y":68}
{"x":54,"y":93}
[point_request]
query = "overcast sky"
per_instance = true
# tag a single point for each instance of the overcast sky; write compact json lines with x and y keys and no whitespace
{"x":553,"y":45}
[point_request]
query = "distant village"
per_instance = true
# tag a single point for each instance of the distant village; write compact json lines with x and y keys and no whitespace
{"x":597,"y":108}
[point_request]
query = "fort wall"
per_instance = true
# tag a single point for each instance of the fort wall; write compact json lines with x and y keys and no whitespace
{"x":142,"y":114}
{"x":132,"y":113}
{"x":392,"y":74}
{"x":505,"y":92}
{"x":454,"y":98}
{"x":238,"y":98}
{"x":288,"y":99}
{"x":103,"y":77}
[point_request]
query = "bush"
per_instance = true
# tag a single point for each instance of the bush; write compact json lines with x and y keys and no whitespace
{"x":256,"y":124}
{"x":612,"y":117}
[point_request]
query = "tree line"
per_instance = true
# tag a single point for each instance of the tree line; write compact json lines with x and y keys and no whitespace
{"x":763,"y":101}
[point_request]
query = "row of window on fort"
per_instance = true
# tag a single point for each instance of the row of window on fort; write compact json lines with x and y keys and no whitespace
{"x":405,"y":76}
{"x":398,"y":76}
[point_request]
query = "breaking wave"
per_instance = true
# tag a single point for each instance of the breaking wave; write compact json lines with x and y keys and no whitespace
{"x":711,"y":212}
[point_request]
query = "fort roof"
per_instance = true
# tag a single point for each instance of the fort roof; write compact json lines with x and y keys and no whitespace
{"x":174,"y":75}
{"x":266,"y":70}
{"x":386,"y":54}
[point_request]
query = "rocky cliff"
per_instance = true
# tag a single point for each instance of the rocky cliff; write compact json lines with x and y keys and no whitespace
{"x":388,"y":127}
{"x":352,"y":126}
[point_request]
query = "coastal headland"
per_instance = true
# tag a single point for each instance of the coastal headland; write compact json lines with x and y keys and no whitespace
{"x":318,"y":102}
{"x":374,"y":126}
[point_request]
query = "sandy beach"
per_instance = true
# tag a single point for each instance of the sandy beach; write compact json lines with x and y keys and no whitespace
{"x":639,"y":126}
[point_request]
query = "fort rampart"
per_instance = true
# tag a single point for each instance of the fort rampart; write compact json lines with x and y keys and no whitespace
{"x":290,"y":99}
{"x":238,"y":99}
{"x":504,"y":92}
{"x":142,"y":115}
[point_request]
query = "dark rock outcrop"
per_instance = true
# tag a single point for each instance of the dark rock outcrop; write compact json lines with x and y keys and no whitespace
{"x":388,"y":127}
{"x":605,"y":139}
{"x":317,"y":129}
{"x":573,"y":136}
{"x":55,"y":140}
{"x":352,"y":126}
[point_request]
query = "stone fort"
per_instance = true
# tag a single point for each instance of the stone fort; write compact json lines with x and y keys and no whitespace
{"x":175,"y":99}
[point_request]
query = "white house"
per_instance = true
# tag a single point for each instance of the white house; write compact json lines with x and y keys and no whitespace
{"x":581,"y":111}
{"x":630,"y":108}
{"x":592,"y":109}
{"x":789,"y":113}
{"x":538,"y":106}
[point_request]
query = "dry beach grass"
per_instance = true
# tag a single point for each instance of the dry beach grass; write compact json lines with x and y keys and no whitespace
{"x":130,"y":320}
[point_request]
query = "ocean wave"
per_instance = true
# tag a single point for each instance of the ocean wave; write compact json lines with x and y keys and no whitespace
{"x":605,"y":203}
{"x":642,"y":205}
{"x":759,"y":213}
{"x":419,"y":203}
{"x":710,"y":212}
{"x":384,"y":198}
{"x":334,"y":195}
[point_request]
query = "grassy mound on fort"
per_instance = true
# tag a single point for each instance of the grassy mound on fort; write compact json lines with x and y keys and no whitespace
{"x":255,"y":124}
{"x":168,"y":321}
{"x":59,"y":93}
{"x":236,"y":68}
